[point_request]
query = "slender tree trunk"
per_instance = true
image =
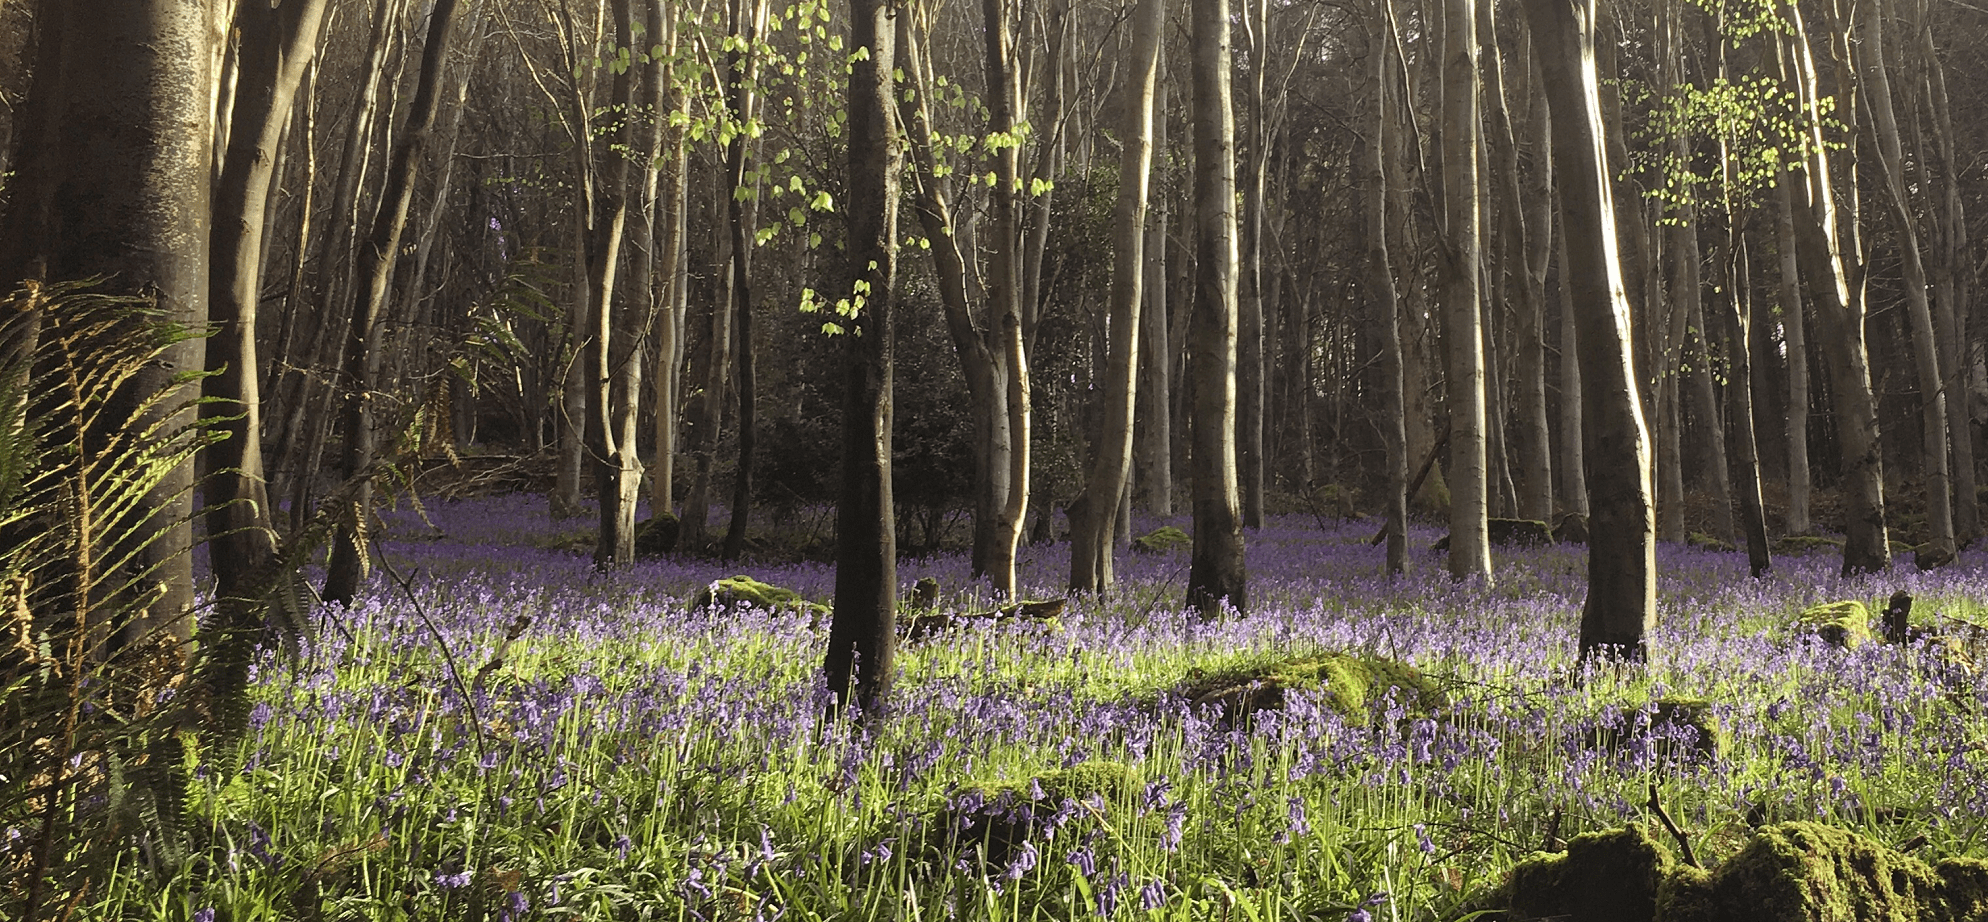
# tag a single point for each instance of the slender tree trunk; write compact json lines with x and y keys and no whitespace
{"x":667,"y":206}
{"x":707,"y":416}
{"x":1949,"y":307}
{"x":1394,"y":423}
{"x":1573,"y":425}
{"x":1795,"y":334}
{"x":1744,"y":451}
{"x":1470,"y":544}
{"x":1839,"y":310}
{"x":743,"y":74}
{"x":1875,"y":84}
{"x":1700,"y":399}
{"x":610,"y":400}
{"x":276,"y":47}
{"x":862,"y":636}
{"x":362,"y":358}
{"x":1621,"y":607}
{"x":1215,"y":575}
{"x":1093,"y":529}
{"x":1250,"y":352}
{"x":1156,"y":352}
{"x":998,"y":524}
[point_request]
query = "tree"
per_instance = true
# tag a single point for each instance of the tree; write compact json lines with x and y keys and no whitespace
{"x":276,"y":47}
{"x":1470,"y":541}
{"x":1215,"y":574}
{"x":1621,"y":606}
{"x":114,"y":181}
{"x":1380,"y":273}
{"x":862,"y":636}
{"x":1092,"y":525}
{"x":377,"y":258}
{"x":613,"y":381}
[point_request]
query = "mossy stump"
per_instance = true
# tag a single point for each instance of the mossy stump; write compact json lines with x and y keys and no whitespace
{"x":657,"y":536}
{"x":1788,"y":872}
{"x":1162,"y":540}
{"x":1349,"y":684}
{"x":745,"y":592}
{"x":1572,"y":528}
{"x":1845,"y":624}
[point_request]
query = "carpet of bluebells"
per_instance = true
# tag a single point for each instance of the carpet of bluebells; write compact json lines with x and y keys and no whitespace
{"x":628,"y":758}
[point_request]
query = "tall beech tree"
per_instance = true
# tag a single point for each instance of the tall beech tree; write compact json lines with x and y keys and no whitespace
{"x":1621,"y":606}
{"x":1463,"y":313}
{"x":1093,"y":526}
{"x":862,"y":636}
{"x":275,"y":46}
{"x":1215,"y":575}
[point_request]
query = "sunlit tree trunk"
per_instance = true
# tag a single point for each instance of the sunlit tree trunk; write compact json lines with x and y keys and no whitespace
{"x":1621,"y":606}
{"x":1002,"y":507}
{"x":1215,"y":574}
{"x":742,"y":77}
{"x":1093,"y":529}
{"x":276,"y":46}
{"x":1387,"y":310}
{"x":1795,"y":333}
{"x":1875,"y":85}
{"x":1470,"y":544}
{"x":610,"y":400}
{"x":1155,"y":429}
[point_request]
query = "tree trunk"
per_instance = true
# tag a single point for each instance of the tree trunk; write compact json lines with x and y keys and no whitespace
{"x":1795,"y":333}
{"x":1875,"y":84}
{"x":1470,"y":543}
{"x":1839,"y":310}
{"x":1250,"y":352}
{"x":349,"y":557}
{"x":610,"y":397}
{"x":276,"y":47}
{"x":1744,"y":451}
{"x":1949,"y":306}
{"x":863,"y":633}
{"x":1394,"y":424}
{"x":1573,"y":425}
{"x":1215,"y":576}
{"x":743,"y":73}
{"x":1001,"y":512}
{"x":1621,"y":607}
{"x":666,"y":204}
{"x":1093,"y":527}
{"x":1156,"y":351}
{"x":113,"y":179}
{"x":1699,"y":398}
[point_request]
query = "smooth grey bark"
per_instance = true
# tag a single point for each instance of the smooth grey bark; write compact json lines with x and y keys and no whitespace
{"x":114,"y":180}
{"x":1743,"y":449}
{"x":1572,"y":466}
{"x":1156,"y":355}
{"x":1621,"y":605}
{"x":1002,"y":506}
{"x":1463,"y":317}
{"x":377,"y":258}
{"x":1251,"y":356}
{"x":612,"y":347}
{"x":276,"y":46}
{"x":1794,"y":328}
{"x":1839,"y":310}
{"x":1875,"y":86}
{"x":1950,"y":305}
{"x":1699,"y":398}
{"x":1216,"y":575}
{"x":862,"y":633}
{"x":664,"y":207}
{"x":1380,"y":275}
{"x":1094,"y":526}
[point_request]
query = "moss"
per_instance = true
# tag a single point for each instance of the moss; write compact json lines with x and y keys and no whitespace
{"x":1161,"y":540}
{"x":743,"y":591}
{"x":1808,"y":872}
{"x":1351,"y":685}
{"x":1520,"y":532}
{"x":1571,"y":529}
{"x":657,"y":536}
{"x":1611,"y":876}
{"x":1963,"y":889}
{"x":1842,"y":624}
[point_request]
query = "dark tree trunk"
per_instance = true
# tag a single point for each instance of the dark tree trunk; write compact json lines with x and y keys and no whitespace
{"x":376,"y":258}
{"x":862,"y":637}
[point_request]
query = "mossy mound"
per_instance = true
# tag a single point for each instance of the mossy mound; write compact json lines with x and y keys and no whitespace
{"x":1612,"y":876}
{"x":746,"y":592}
{"x":1349,"y":684}
{"x":1844,"y":624}
{"x":657,"y":536}
{"x":997,"y":817}
{"x":1806,"y":544}
{"x":1709,"y":542}
{"x":1679,"y":728}
{"x":1335,"y":499}
{"x":1162,"y":540}
{"x":1788,"y":872}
